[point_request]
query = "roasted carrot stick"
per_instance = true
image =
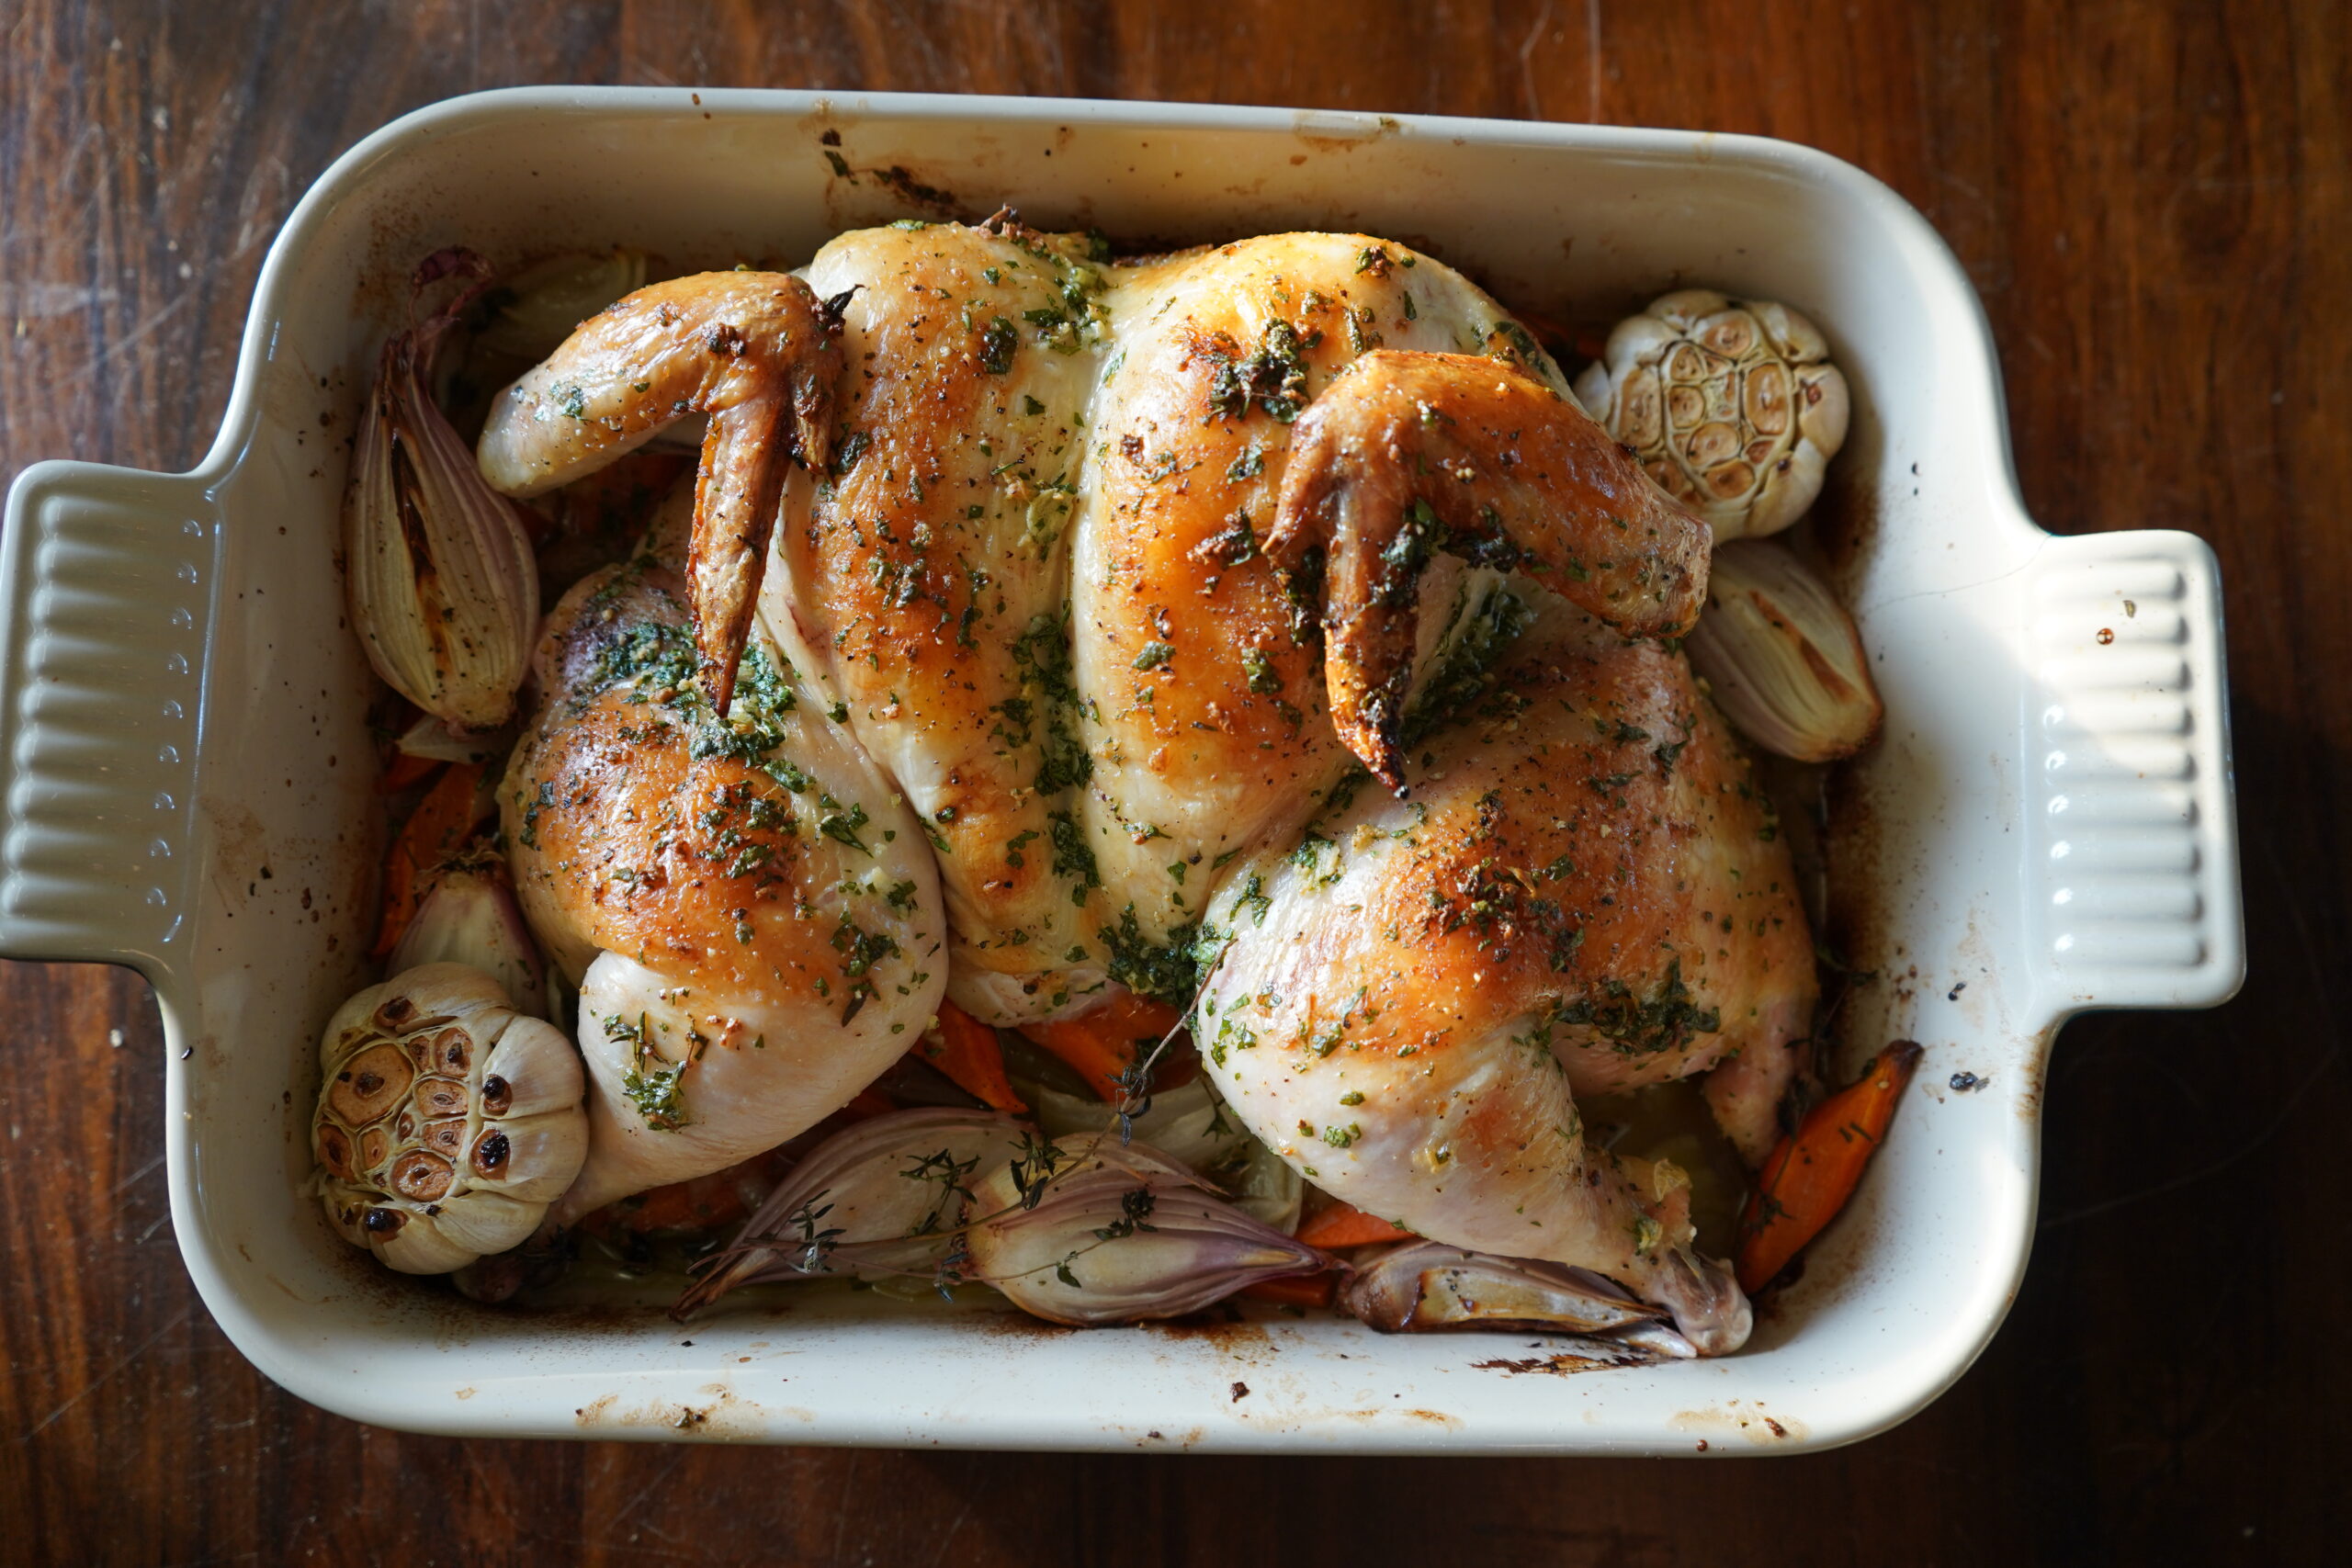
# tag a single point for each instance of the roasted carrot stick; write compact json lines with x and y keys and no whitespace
{"x":1107,"y":1042}
{"x":1808,"y":1178}
{"x":966,"y":1050}
{"x":869,"y":1101}
{"x":1343,"y":1225}
{"x":680,"y":1207}
{"x":705,"y":1202}
{"x":436,"y":829}
{"x":1297,"y":1290}
{"x":403,"y":770}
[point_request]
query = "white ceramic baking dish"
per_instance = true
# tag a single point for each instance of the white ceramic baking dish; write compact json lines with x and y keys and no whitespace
{"x":2046,"y":827}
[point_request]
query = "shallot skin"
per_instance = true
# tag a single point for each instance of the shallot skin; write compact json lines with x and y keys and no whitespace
{"x":443,"y":589}
{"x":1097,"y":1234}
{"x":1782,"y":657}
{"x":888,"y":1196}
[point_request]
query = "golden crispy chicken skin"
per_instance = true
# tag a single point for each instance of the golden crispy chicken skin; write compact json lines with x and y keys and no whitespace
{"x":1583,"y":894}
{"x":926,"y":576}
{"x":1203,"y":671}
{"x":1410,"y":454}
{"x":754,"y":924}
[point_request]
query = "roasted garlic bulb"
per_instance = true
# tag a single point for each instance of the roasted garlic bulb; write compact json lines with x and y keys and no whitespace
{"x":1731,"y":405}
{"x":447,"y":1121}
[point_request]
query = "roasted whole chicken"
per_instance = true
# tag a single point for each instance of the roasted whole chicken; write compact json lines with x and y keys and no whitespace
{"x":1261,"y":629}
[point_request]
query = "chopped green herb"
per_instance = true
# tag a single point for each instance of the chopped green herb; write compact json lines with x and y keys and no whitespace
{"x":997,"y":347}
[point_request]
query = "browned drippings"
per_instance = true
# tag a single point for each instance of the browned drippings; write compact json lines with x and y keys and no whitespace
{"x":497,"y":1096}
{"x":383,"y":1221}
{"x":393,"y":1011}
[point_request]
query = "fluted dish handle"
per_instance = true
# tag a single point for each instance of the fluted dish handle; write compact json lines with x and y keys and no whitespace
{"x":2132,"y":830}
{"x":106,"y":577}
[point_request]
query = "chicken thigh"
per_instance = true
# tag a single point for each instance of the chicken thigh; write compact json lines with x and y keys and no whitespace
{"x":1583,"y":894}
{"x":752,"y":920}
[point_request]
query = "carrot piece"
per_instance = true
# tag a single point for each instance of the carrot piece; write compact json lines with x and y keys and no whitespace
{"x":870,"y":1102}
{"x":403,"y":770}
{"x":1294,"y":1289}
{"x":436,"y":829}
{"x":1103,"y":1045}
{"x":1808,"y":1178}
{"x":703,"y":1203}
{"x":966,"y":1050}
{"x":1343,"y":1225}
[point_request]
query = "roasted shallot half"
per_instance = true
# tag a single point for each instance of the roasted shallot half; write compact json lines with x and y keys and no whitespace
{"x":444,"y":593}
{"x":1785,"y":662}
{"x":1190,"y":1125}
{"x":1423,"y":1285}
{"x":470,"y":917}
{"x":1084,"y":1232}
{"x":885,"y":1198}
{"x":447,"y":1121}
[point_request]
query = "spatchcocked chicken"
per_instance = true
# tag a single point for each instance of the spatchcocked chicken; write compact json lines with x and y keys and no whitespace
{"x":1262,"y":629}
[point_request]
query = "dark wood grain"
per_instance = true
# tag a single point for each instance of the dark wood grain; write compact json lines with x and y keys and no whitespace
{"x":2152,"y":199}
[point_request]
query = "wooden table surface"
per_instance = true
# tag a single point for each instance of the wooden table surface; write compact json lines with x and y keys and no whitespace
{"x":2153,"y":200}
